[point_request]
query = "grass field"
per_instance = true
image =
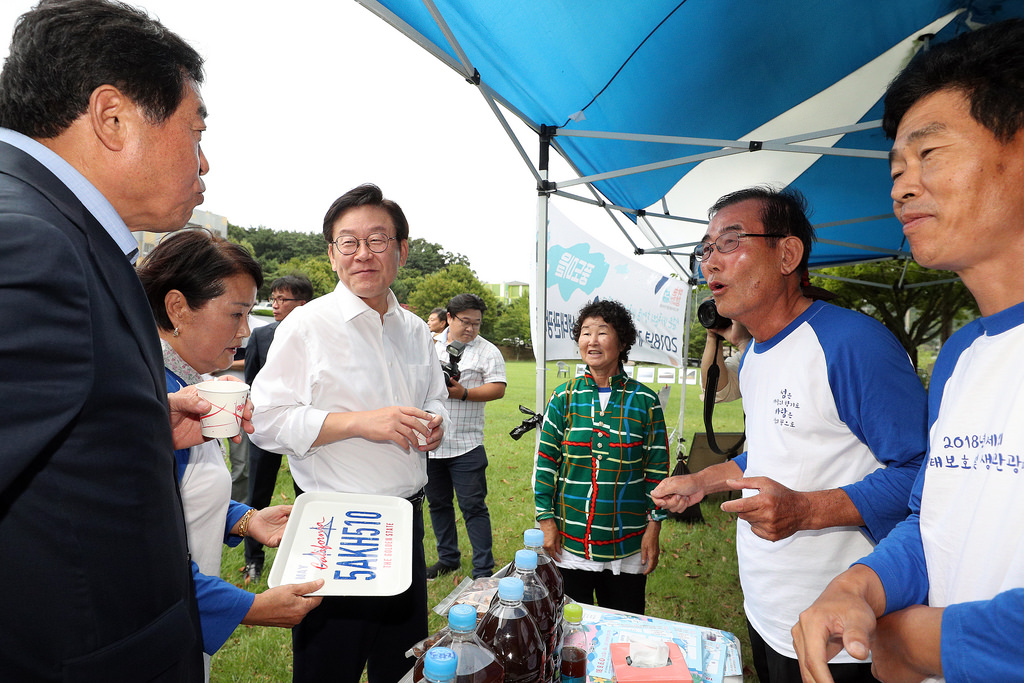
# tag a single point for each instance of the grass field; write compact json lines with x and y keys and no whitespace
{"x":696,"y":581}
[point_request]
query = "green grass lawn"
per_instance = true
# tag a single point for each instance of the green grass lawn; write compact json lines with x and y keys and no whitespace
{"x":696,"y":581}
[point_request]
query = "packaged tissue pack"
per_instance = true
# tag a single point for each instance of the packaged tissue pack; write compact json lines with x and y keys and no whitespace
{"x":676,"y":671}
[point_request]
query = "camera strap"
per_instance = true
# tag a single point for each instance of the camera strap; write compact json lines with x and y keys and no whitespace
{"x":710,"y":392}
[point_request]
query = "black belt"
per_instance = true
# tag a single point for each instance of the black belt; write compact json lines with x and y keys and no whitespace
{"x":417,"y":500}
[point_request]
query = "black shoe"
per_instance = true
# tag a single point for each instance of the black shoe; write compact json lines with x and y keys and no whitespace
{"x":439,"y":569}
{"x":253,"y":572}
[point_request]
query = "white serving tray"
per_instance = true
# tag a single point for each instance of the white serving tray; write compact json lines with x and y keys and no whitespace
{"x":358,"y":544}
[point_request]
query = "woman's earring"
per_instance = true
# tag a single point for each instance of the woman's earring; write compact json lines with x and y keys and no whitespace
{"x":175,"y":333}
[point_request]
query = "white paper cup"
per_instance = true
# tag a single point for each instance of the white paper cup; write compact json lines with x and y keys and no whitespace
{"x":419,"y":437}
{"x":228,"y":399}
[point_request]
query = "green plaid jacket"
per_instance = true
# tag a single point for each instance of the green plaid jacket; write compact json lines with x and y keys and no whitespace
{"x":595,"y":472}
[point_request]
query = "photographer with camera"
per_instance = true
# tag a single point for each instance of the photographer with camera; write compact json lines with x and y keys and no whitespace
{"x":475,"y":373}
{"x":721,"y":329}
{"x":835,"y":426}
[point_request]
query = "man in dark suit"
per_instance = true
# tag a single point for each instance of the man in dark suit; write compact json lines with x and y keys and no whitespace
{"x":286,"y":294}
{"x":101,"y":121}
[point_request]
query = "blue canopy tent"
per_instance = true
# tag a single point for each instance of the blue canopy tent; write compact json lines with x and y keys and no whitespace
{"x":662,"y":106}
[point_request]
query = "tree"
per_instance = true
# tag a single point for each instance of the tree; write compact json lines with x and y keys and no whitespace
{"x":438,"y":288}
{"x":430,"y":257}
{"x":424,"y":258}
{"x":278,"y":245}
{"x":512,"y":327}
{"x":916,"y":314}
{"x":316,"y":268}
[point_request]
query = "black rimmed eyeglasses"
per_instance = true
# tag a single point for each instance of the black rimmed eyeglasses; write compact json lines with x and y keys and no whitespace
{"x":471,"y":324}
{"x":726,"y":242}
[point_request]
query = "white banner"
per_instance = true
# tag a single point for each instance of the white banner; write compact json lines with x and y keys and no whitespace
{"x":581,"y":270}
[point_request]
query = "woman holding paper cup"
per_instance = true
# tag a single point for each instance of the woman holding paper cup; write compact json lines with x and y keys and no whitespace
{"x":603,"y":449}
{"x":201,"y":288}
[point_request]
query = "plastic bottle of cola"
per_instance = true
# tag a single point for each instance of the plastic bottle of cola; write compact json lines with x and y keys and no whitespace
{"x":547,"y":570}
{"x":537,"y":602}
{"x":512,"y":633}
{"x":439,"y":665}
{"x":574,"y":646}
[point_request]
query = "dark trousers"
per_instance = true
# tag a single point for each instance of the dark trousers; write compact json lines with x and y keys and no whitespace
{"x":625,"y":592}
{"x":343,"y":635}
{"x":464,"y":476}
{"x":263,"y":469}
{"x":775,"y":668}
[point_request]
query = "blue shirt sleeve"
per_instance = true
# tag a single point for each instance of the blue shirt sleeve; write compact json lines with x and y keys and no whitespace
{"x":898,"y":559}
{"x":222,"y":607}
{"x":741,"y":460}
{"x":980,"y":639}
{"x":881,"y":399}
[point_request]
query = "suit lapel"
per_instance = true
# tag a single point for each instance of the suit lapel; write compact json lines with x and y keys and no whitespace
{"x":114,"y":267}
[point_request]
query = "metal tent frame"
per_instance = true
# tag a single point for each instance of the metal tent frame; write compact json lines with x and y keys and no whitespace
{"x":832,"y":233}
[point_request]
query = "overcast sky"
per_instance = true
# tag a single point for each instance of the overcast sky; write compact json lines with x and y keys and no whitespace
{"x":310,"y":99}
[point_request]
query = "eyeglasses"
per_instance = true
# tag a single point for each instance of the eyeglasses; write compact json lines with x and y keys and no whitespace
{"x":468,"y":323}
{"x":726,"y":242}
{"x":280,"y":300}
{"x":348,"y":245}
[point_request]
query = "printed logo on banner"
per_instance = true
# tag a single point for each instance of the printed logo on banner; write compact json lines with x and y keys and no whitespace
{"x":575,"y":268}
{"x":673,"y":298}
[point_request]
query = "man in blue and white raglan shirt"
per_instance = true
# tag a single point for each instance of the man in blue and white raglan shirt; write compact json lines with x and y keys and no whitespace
{"x":943,"y":596}
{"x":835,"y":425}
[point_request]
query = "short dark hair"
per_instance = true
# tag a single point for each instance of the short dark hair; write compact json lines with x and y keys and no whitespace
{"x":442,"y":315}
{"x":62,"y":50}
{"x":616,"y":315}
{"x":466,"y":302}
{"x":986,"y":66}
{"x":299,"y":286}
{"x":367,"y":194}
{"x":194,"y":262}
{"x":783,"y":213}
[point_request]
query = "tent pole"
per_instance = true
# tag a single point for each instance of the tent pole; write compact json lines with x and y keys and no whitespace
{"x":691,"y":300}
{"x":540,"y":284}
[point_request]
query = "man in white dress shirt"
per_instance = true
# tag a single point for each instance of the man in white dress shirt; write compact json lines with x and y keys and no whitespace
{"x":353,"y":394}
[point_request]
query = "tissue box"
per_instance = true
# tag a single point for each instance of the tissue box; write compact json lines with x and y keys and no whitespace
{"x":677,"y":671}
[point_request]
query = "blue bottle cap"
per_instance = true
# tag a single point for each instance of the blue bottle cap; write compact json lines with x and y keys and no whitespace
{"x":526,"y":559}
{"x":510,"y":588}
{"x":533,"y":538}
{"x":462,"y":618}
{"x":440,"y":664}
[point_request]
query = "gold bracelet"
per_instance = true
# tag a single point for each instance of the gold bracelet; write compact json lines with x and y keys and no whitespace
{"x":243,"y":523}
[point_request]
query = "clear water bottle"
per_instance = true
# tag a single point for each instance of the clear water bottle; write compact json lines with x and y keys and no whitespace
{"x":511,"y":632}
{"x":547,"y":570}
{"x":439,"y":665}
{"x":537,"y":602}
{"x":574,"y":646}
{"x":477,"y":661}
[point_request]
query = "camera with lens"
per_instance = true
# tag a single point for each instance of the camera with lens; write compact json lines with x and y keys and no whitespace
{"x":709,"y":317}
{"x":531,"y":422}
{"x":451,"y":366}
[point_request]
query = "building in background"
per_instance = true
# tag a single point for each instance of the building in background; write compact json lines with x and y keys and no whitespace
{"x":218,"y":225}
{"x":508,"y":292}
